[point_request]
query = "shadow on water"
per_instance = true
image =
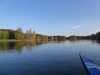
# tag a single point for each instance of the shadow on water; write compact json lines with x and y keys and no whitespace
{"x":18,"y":45}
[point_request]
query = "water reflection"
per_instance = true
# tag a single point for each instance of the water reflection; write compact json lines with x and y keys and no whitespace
{"x":98,"y":41}
{"x":7,"y":45}
{"x":18,"y":45}
{"x":93,"y":41}
{"x":46,"y":57}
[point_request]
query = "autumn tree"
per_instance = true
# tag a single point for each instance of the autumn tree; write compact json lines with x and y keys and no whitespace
{"x":46,"y":37}
{"x":55,"y":38}
{"x":38,"y":36}
{"x":20,"y":30}
{"x":73,"y":37}
{"x":63,"y":38}
{"x":19,"y":34}
{"x":34,"y":35}
{"x":30,"y":35}
{"x":51,"y":38}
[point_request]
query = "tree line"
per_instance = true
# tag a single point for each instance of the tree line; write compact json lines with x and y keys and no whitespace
{"x":92,"y":36}
{"x":18,"y":34}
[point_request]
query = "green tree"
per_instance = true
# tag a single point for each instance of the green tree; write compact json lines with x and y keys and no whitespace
{"x":19,"y":35}
{"x":98,"y":35}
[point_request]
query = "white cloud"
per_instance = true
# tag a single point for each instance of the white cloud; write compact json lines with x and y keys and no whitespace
{"x":75,"y":27}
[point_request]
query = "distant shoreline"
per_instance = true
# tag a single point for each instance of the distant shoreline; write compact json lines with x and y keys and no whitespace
{"x":19,"y":40}
{"x":11,"y":40}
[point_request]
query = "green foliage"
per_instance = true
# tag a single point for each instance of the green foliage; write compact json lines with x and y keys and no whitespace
{"x":11,"y":34}
{"x":29,"y":35}
{"x":4,"y":34}
{"x":0,"y":34}
{"x":19,"y":35}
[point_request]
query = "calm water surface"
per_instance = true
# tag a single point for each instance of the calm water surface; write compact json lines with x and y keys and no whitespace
{"x":46,"y":58}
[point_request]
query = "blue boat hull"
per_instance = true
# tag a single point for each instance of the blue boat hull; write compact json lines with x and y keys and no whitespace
{"x":91,"y":68}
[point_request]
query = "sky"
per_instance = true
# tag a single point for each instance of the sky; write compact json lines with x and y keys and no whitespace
{"x":51,"y":17}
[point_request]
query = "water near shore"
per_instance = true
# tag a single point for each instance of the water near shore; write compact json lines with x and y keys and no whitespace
{"x":46,"y":57}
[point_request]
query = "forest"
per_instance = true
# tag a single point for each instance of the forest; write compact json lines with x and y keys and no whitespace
{"x":92,"y":37}
{"x":18,"y":34}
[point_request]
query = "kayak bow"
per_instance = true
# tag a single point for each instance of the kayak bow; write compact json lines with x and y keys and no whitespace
{"x":91,"y":68}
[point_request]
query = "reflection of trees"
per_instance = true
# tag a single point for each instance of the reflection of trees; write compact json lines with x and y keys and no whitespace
{"x":30,"y":44}
{"x":62,"y":41}
{"x":72,"y":40}
{"x":4,"y":45}
{"x":98,"y":41}
{"x":59,"y":42}
{"x":38,"y":42}
{"x":93,"y":41}
{"x":18,"y":45}
{"x":44,"y":42}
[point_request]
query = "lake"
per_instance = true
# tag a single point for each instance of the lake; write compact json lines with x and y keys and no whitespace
{"x":46,"y":57}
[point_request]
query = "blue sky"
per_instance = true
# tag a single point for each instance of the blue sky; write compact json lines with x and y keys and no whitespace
{"x":51,"y":17}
